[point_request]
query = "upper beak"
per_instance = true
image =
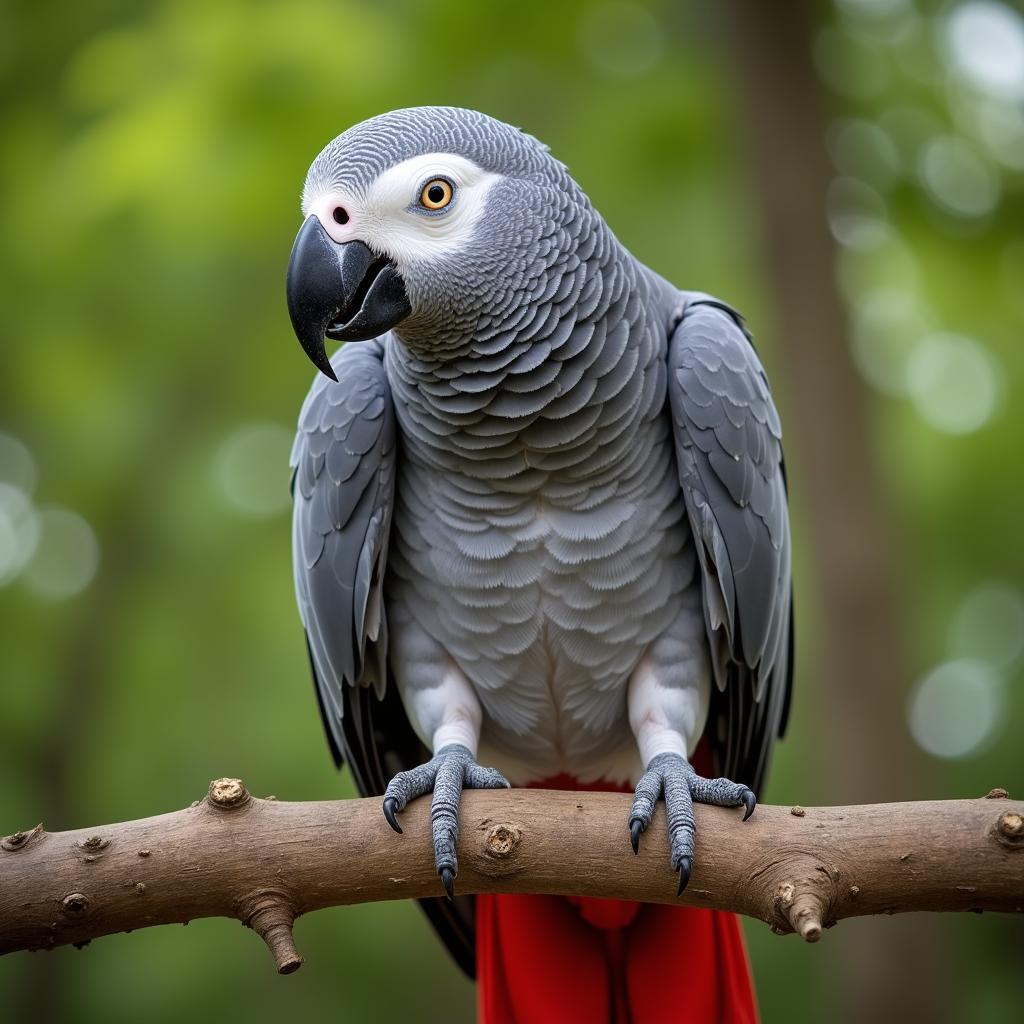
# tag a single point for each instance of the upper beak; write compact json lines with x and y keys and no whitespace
{"x":340,"y":290}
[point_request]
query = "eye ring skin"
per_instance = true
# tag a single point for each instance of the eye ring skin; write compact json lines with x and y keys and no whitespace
{"x":422,"y":205}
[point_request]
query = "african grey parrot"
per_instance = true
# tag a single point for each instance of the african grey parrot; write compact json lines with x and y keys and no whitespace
{"x":540,"y":502}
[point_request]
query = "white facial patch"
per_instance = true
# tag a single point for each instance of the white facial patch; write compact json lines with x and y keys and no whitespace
{"x":388,"y":215}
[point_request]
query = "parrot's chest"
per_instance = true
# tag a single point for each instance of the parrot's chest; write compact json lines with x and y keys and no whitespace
{"x":546,"y":600}
{"x":539,"y":541}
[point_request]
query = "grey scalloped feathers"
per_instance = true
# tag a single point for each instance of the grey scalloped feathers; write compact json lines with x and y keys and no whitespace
{"x":540,"y":509}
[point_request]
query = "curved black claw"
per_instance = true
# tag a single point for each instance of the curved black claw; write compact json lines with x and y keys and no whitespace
{"x":448,"y":881}
{"x":685,"y":863}
{"x":390,"y":807}
{"x":636,"y":827}
{"x":749,"y":802}
{"x":671,"y":775}
{"x":446,"y":774}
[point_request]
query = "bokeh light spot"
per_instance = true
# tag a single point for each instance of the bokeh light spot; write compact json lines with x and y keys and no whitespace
{"x":958,"y":178}
{"x":252,"y":469}
{"x":989,"y":625}
{"x":985,"y":41}
{"x":862,"y":149}
{"x":856,"y":214}
{"x":954,"y":709}
{"x":1000,"y":125}
{"x":66,"y":558}
{"x":17,"y":467}
{"x":19,"y":531}
{"x":887,"y":325}
{"x":952,"y":381}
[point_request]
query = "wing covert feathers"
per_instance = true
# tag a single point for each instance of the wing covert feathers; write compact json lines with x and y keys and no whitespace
{"x":343,"y":486}
{"x":729,"y":454}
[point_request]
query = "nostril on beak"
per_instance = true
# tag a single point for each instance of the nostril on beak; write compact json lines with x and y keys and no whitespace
{"x":340,"y":215}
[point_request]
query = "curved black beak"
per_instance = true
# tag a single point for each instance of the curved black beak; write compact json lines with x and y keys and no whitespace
{"x":341,"y":291}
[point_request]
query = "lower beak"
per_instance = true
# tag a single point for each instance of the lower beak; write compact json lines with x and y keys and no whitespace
{"x":340,"y":290}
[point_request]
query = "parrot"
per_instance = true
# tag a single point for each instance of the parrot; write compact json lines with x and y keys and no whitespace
{"x":540,"y":538}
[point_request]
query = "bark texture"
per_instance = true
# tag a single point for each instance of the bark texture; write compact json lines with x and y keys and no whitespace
{"x":265,"y":862}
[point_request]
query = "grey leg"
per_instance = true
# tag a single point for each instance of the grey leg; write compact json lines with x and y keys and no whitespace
{"x":673,"y":776}
{"x":450,"y":770}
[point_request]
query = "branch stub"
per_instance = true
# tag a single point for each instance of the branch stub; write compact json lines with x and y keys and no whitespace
{"x":227,"y":794}
{"x":269,"y":913}
{"x":19,"y":840}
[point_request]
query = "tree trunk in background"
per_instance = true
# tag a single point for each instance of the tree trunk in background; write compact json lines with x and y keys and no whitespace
{"x":859,"y":683}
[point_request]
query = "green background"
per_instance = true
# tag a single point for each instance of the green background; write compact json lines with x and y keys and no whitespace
{"x":151,"y":159}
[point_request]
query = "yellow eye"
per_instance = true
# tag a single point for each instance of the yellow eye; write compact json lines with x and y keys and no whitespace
{"x":436,"y":194}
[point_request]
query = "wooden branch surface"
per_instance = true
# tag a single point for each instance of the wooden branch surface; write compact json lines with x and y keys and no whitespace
{"x":266,"y":862}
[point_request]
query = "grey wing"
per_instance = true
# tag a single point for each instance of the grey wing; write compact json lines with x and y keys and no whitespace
{"x":729,"y":454}
{"x":344,"y":466}
{"x":343,"y":488}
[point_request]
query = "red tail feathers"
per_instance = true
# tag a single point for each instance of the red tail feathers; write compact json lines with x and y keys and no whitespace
{"x":557,"y":960}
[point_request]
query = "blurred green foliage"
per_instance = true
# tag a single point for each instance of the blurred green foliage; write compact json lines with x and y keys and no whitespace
{"x":151,"y":157}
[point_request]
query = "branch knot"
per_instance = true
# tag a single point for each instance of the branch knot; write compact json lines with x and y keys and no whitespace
{"x":502,"y":840}
{"x":1009,"y":829}
{"x":75,"y":904}
{"x":19,"y":840}
{"x":227,"y":794}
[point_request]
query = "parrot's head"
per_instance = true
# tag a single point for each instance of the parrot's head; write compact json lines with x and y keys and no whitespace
{"x":434,"y":221}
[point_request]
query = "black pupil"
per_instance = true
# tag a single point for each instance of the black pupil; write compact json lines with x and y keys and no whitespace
{"x":436,"y":193}
{"x":340,"y":215}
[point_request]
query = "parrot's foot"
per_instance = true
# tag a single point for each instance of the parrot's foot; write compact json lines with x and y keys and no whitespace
{"x":451,"y":769}
{"x":672,"y":775}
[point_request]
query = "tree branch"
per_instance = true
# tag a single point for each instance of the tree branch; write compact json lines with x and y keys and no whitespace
{"x":266,"y":862}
